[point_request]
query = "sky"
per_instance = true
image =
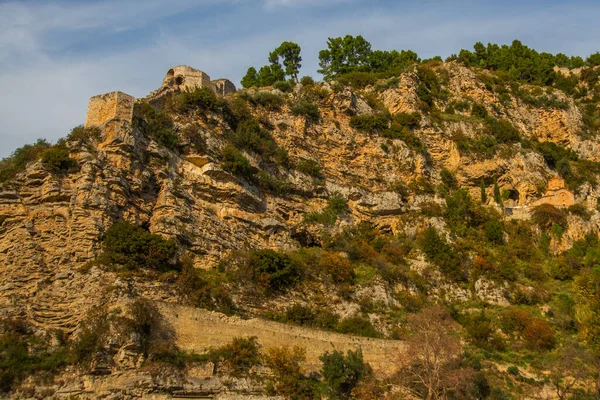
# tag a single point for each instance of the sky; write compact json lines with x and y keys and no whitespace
{"x":56,"y":54}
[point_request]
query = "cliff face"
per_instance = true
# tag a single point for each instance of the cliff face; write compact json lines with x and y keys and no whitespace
{"x":51,"y":225}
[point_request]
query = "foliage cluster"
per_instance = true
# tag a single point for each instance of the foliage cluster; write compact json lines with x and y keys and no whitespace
{"x":132,"y":248}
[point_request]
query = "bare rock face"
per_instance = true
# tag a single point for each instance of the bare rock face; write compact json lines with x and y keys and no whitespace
{"x":51,"y":225}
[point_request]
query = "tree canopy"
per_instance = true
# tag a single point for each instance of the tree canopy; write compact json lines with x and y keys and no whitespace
{"x":267,"y":75}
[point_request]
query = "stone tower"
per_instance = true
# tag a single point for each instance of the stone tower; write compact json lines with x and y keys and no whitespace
{"x":109,"y":106}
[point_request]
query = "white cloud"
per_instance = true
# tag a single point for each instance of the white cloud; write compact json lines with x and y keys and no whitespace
{"x":43,"y":95}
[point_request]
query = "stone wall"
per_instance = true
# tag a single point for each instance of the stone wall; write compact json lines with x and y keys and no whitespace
{"x":224,"y":86}
{"x":109,"y":106}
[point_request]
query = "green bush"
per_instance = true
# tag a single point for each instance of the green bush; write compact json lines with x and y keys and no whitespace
{"x":308,"y":110}
{"x":448,"y":179}
{"x":268,"y":100}
{"x":236,"y":163}
{"x":22,"y":355}
{"x":156,"y":124}
{"x":309,"y":167}
{"x":494,"y":231}
{"x":336,"y":205}
{"x":580,"y":210}
{"x":270,"y":270}
{"x":210,"y":294}
{"x":307,"y":80}
{"x":503,"y":131}
{"x":357,"y":80}
{"x":409,"y":120}
{"x":546,"y":215}
{"x":273,"y":184}
{"x":479,"y":111}
{"x":200,"y":98}
{"x":240,"y":355}
{"x":357,"y":325}
{"x":250,"y":135}
{"x":133,"y":247}
{"x":284,"y":86}
{"x":343,"y":373}
{"x":553,"y":153}
{"x":18,"y":160}
{"x":81,"y":135}
{"x":56,"y":159}
{"x":376,"y":123}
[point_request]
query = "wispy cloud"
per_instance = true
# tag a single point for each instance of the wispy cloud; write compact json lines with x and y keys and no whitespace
{"x":56,"y":54}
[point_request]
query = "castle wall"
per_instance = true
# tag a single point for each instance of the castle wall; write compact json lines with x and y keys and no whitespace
{"x":224,"y":86}
{"x":109,"y":106}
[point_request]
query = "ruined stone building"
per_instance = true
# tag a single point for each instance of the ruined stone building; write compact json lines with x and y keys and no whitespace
{"x":109,"y":108}
{"x":184,"y":77}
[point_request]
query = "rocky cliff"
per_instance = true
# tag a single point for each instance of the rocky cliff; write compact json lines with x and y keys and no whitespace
{"x":52,"y":224}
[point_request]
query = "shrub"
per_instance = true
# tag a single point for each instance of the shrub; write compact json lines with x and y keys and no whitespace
{"x":494,"y":231}
{"x":249,"y":135}
{"x":273,"y":271}
{"x":240,"y":355}
{"x":144,"y":322}
{"x":358,"y":80}
{"x":479,"y":111}
{"x":343,"y":373}
{"x":307,"y":80}
{"x":337,"y":267}
{"x":201,"y":98}
{"x":284,"y":86}
{"x":553,"y":153}
{"x":268,"y":100}
{"x":236,"y":163}
{"x":448,"y":179}
{"x":357,"y":325}
{"x":309,"y":167}
{"x":22,"y":355}
{"x":133,"y":247}
{"x":546,"y":215}
{"x":409,"y":120}
{"x":155,"y":124}
{"x":539,"y":335}
{"x":336,"y":205}
{"x":80,"y":134}
{"x":515,"y":321}
{"x":579,"y":210}
{"x":56,"y":159}
{"x":289,"y":379}
{"x":308,"y":110}
{"x":376,"y":123}
{"x":503,"y":131}
{"x":19,"y":159}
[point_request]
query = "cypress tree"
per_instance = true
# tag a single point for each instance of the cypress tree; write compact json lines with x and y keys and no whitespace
{"x":497,"y":195}
{"x":483,"y":194}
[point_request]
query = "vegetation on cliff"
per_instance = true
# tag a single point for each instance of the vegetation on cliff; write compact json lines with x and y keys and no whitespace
{"x":420,"y":248}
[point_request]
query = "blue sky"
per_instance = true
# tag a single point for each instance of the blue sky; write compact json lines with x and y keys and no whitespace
{"x":54,"y":55}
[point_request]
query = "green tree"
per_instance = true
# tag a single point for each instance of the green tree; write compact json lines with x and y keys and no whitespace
{"x":290,"y":53}
{"x":497,"y":195}
{"x":344,"y":55}
{"x":134,"y":247}
{"x":594,"y":59}
{"x":251,"y":78}
{"x":269,"y":74}
{"x":342,"y":373}
{"x":483,"y":191}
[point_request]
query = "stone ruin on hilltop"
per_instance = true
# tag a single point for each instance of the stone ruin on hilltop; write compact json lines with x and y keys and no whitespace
{"x":118,"y":106}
